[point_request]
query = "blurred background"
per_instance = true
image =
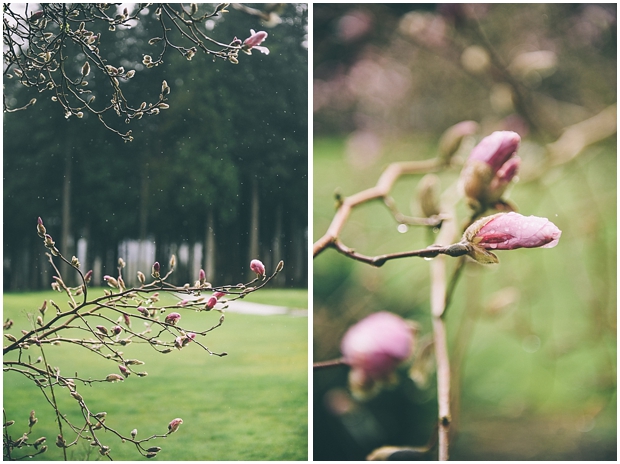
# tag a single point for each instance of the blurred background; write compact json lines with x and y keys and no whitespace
{"x":218,"y":179}
{"x":532,"y":340}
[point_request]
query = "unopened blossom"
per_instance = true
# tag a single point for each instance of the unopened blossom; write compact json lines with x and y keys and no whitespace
{"x":254,"y":41}
{"x":117,"y":329}
{"x":173,"y":318}
{"x":373,"y":348}
{"x":155,"y":270}
{"x":219,"y":295}
{"x":202,"y":276}
{"x":211,"y":302}
{"x":126,"y":372}
{"x":112,"y":282}
{"x":509,"y":231}
{"x":258,"y":267}
{"x":174,"y":424}
{"x":41,"y":231}
{"x":490,"y":167}
{"x":88,"y":276}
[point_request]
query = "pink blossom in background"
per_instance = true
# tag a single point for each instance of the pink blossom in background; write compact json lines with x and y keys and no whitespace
{"x":490,"y":168}
{"x":509,"y":231}
{"x":496,"y":149}
{"x":376,"y":345}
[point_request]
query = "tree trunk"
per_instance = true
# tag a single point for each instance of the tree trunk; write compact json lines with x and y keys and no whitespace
{"x":209,"y":248}
{"x":254,"y":222}
{"x":65,"y":238}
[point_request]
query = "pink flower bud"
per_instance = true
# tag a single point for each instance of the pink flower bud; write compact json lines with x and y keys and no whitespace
{"x":102,"y":329}
{"x":219,"y":295}
{"x":490,"y":168}
{"x":258,"y":267}
{"x":190,"y":336}
{"x":174,"y":424}
{"x":88,"y":276}
{"x":143,"y":310}
{"x":256,"y":38}
{"x":173,"y":318}
{"x":155,"y":270}
{"x":496,"y":149}
{"x":112,"y":282}
{"x":127,"y":320}
{"x":40,"y":228}
{"x":376,"y":345}
{"x":202,"y":276}
{"x":117,"y":329}
{"x":211,"y":302}
{"x":124,"y":370}
{"x":509,"y":231}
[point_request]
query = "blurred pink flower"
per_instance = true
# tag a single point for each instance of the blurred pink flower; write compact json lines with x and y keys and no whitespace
{"x":496,"y":149}
{"x":491,"y":166}
{"x":254,"y":41}
{"x":376,"y":345}
{"x":509,"y":231}
{"x":173,"y":318}
{"x":258,"y":267}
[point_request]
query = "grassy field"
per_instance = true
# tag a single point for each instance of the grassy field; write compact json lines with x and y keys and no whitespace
{"x":249,"y":405}
{"x":532,"y":377}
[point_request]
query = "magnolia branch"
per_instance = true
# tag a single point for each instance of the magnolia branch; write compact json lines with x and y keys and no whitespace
{"x":379,"y":191}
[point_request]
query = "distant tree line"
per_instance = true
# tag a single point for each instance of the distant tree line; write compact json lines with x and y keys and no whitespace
{"x":223,"y":170}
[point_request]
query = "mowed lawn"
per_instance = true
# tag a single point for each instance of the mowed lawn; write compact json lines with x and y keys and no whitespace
{"x":249,"y":405}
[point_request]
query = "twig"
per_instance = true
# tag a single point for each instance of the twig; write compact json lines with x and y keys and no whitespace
{"x":379,"y":191}
{"x":327,"y":364}
{"x":438,"y":306}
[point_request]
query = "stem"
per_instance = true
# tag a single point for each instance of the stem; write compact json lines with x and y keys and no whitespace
{"x":380,"y":190}
{"x":327,"y":364}
{"x":438,"y":306}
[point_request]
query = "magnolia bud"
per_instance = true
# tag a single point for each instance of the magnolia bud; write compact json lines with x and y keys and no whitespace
{"x":102,"y":329}
{"x":88,"y":276}
{"x":428,"y":194}
{"x":155,"y":270}
{"x":173,"y":426}
{"x":141,"y":277}
{"x":112,"y":282}
{"x":258,"y":267}
{"x":41,"y":228}
{"x":451,"y":139}
{"x":86,"y":69}
{"x":173,"y":318}
{"x":211,"y":303}
{"x":113,"y":378}
{"x":32,"y":420}
{"x":486,"y":173}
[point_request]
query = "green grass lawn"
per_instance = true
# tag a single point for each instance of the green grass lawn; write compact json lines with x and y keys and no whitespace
{"x":249,"y":405}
